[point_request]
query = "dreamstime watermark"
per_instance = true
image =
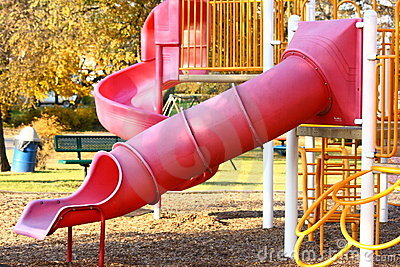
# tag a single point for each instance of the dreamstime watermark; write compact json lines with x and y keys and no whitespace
{"x":312,"y":254}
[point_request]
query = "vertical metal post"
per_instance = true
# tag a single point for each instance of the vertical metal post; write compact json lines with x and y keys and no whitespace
{"x":159,"y":80}
{"x":268,"y":151}
{"x":268,"y":184}
{"x":158,"y":104}
{"x":310,"y":10}
{"x":383,"y":202}
{"x":291,"y":194}
{"x":310,"y":140}
{"x":157,"y":210}
{"x":69,"y":244}
{"x":368,"y":134}
{"x":102,"y":240}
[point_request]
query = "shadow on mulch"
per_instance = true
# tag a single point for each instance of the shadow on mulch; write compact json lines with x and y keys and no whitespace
{"x":226,"y":215}
{"x":242,"y":214}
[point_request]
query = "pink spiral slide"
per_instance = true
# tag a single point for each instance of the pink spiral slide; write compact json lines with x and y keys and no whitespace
{"x":317,"y":81}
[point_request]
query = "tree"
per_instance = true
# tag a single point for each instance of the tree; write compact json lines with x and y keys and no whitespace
{"x":64,"y":46}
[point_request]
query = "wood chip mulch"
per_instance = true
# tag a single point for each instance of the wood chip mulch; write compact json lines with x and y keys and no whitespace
{"x":207,"y":229}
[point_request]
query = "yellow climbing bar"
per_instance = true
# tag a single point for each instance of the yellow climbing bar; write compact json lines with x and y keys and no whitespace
{"x":345,"y":211}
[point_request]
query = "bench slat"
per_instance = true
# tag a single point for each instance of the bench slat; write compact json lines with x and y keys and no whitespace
{"x":77,"y":161}
{"x":85,"y":143}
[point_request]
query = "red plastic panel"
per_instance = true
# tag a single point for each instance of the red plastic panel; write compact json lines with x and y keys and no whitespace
{"x":126,"y":100}
{"x":166,"y":23}
{"x":148,"y":43}
{"x":335,"y":46}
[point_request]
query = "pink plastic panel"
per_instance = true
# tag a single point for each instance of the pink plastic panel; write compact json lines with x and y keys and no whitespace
{"x":166,"y":23}
{"x":148,"y":43}
{"x":126,"y":100}
{"x":335,"y":46}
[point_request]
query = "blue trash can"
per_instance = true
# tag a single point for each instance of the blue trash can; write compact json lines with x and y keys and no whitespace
{"x":24,"y":161}
{"x":25,"y":149}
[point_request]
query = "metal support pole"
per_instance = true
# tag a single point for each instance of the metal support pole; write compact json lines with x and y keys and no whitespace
{"x":310,"y":10}
{"x":368,"y":134}
{"x":291,"y":194}
{"x":268,"y":151}
{"x":157,"y":210}
{"x":69,"y":244}
{"x":310,"y":140}
{"x":158,"y":107}
{"x":102,"y":239}
{"x":383,"y":202}
{"x":268,"y":190}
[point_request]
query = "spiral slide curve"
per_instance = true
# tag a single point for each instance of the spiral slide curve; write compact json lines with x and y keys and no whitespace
{"x":193,"y":143}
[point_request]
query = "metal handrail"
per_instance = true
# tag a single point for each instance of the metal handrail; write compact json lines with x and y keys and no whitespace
{"x":387,"y":87}
{"x":346,"y":204}
{"x":221,"y":35}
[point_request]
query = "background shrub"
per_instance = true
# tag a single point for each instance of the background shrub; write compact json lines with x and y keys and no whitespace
{"x":19,"y":117}
{"x":79,"y":119}
{"x":47,"y":127}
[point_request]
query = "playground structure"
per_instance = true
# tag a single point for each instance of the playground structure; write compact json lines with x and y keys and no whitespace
{"x":325,"y":76}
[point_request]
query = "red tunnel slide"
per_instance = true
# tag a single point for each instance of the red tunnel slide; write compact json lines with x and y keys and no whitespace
{"x":316,"y":81}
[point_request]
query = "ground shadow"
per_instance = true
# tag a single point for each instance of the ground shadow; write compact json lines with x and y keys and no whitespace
{"x":241,"y":214}
{"x":38,"y":181}
{"x":230,"y":183}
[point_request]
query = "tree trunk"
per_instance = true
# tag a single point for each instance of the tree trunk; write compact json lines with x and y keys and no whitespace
{"x":4,"y":164}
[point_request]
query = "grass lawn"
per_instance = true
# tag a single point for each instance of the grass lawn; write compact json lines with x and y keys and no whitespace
{"x":67,"y":178}
{"x":52,"y":180}
{"x":248,"y":175}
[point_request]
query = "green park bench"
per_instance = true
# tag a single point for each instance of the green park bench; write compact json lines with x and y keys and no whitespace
{"x":83,"y":143}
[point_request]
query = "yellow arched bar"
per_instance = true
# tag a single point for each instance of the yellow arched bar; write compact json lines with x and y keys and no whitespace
{"x":347,"y":205}
{"x":355,"y":243}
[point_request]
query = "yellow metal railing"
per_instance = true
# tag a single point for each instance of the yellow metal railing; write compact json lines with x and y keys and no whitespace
{"x":221,"y":35}
{"x":283,"y":9}
{"x":226,"y":35}
{"x":387,"y":86}
{"x":387,"y":94}
{"x":345,"y":205}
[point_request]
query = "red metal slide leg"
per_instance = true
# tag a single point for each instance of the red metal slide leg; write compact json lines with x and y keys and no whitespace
{"x":102,"y":238}
{"x":102,"y":235}
{"x":69,"y":245}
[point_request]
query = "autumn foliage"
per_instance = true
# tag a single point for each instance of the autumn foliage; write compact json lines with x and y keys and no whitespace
{"x":64,"y":46}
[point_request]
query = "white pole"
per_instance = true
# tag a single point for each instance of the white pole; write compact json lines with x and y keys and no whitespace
{"x":157,"y":206}
{"x":368,"y":134}
{"x":157,"y":210}
{"x":383,"y":202}
{"x":310,"y":10}
{"x":268,"y":184}
{"x":291,"y":194}
{"x":310,"y":140}
{"x":268,"y":151}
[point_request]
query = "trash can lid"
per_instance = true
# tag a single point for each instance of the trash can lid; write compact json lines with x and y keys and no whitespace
{"x":28,"y":134}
